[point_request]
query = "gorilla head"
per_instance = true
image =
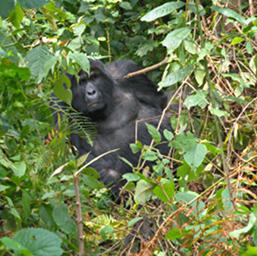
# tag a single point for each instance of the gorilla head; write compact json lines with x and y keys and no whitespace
{"x":92,"y":94}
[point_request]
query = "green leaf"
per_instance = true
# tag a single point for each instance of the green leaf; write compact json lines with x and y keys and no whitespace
{"x":39,"y":242}
{"x":37,"y":59}
{"x":16,"y":16}
{"x":173,"y":40}
{"x":230,"y":13}
{"x":195,"y":156}
{"x":143,"y":192}
{"x":199,"y":76}
{"x":226,"y":201}
{"x":250,"y":225}
{"x":61,"y":92}
{"x":82,"y":60}
{"x":162,"y":10}
{"x":165,"y":191}
{"x":92,"y":182}
{"x":107,"y":232}
{"x":19,"y":168}
{"x":218,"y":112}
{"x":198,"y":99}
{"x":149,"y":155}
{"x":132,"y":222}
{"x":3,"y":188}
{"x":237,"y":40}
{"x":131,"y":177}
{"x":32,"y":4}
{"x":63,"y":220}
{"x":50,"y":64}
{"x":190,"y":46}
{"x":176,"y":76}
{"x":155,"y":134}
{"x":125,"y":5}
{"x":184,"y":142}
{"x":136,"y":147}
{"x":168,"y":135}
{"x":173,"y":233}
{"x":186,"y":197}
{"x":6,"y":7}
{"x":10,"y":244}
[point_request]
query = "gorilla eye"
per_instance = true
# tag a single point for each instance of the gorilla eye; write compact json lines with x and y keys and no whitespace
{"x":83,"y":78}
{"x":93,"y":76}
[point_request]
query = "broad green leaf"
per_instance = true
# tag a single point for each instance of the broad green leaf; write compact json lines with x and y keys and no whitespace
{"x":82,"y":60}
{"x":190,"y":46}
{"x":16,"y":16}
{"x":173,"y":40}
{"x":11,"y":244}
{"x":184,"y":142}
{"x":61,"y":92}
{"x":63,"y":220}
{"x":6,"y":7}
{"x":176,"y":76}
{"x":50,"y":64}
{"x":165,"y":191}
{"x":230,"y":13}
{"x":155,"y":134}
{"x":143,"y":192}
{"x":195,"y":156}
{"x":162,"y":10}
{"x":32,"y":4}
{"x":37,"y":59}
{"x":251,"y":223}
{"x":39,"y":242}
{"x":198,"y":99}
{"x":19,"y":168}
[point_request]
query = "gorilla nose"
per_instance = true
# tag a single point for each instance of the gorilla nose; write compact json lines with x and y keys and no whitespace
{"x":91,"y":92}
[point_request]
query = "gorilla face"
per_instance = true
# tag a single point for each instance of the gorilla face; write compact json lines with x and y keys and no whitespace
{"x":92,"y":93}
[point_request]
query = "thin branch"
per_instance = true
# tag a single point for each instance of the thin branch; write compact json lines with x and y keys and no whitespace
{"x":147,"y":69}
{"x":79,"y":219}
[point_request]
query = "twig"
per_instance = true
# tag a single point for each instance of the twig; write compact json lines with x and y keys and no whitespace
{"x":147,"y":69}
{"x":94,"y":160}
{"x":79,"y":216}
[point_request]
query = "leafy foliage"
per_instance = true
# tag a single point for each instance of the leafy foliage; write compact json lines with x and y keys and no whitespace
{"x":202,"y":196}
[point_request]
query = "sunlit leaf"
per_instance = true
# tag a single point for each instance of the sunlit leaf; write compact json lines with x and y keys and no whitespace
{"x":173,"y":40}
{"x":162,"y":10}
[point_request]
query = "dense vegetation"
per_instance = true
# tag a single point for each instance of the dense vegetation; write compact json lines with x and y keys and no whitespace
{"x":201,"y":197}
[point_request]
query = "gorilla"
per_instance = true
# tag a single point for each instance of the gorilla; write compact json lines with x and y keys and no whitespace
{"x":143,"y":88}
{"x":115,"y":104}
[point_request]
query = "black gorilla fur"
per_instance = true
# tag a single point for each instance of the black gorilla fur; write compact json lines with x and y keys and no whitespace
{"x":114,"y":104}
